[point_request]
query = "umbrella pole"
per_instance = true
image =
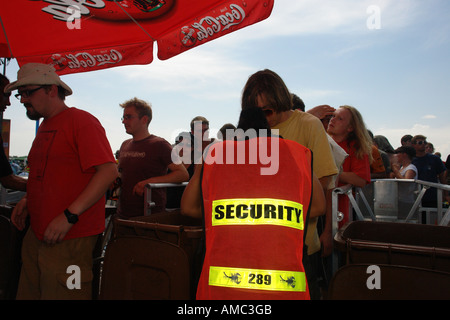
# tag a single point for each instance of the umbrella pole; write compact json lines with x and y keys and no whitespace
{"x":1,"y":114}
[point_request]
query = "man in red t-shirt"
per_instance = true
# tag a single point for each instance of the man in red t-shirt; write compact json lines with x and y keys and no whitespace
{"x":71,"y":167}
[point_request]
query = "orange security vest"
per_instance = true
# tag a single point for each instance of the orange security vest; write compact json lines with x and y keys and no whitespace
{"x":255,"y":219}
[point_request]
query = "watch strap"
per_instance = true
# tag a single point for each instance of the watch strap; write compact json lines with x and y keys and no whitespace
{"x":71,"y":217}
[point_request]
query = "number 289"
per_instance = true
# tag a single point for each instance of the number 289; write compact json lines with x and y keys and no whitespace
{"x":255,"y":278}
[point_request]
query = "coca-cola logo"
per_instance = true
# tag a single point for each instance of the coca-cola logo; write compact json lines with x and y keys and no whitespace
{"x":63,"y":9}
{"x":68,"y":10}
{"x":85,"y":60}
{"x":209,"y":25}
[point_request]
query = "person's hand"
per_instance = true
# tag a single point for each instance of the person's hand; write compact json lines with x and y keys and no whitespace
{"x":322,"y":111}
{"x":395,"y":167}
{"x":139,"y":188}
{"x":20,"y":214}
{"x":57,"y":229}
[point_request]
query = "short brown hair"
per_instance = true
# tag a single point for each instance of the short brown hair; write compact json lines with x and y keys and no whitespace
{"x":199,"y":118}
{"x":418,"y":137}
{"x":143,"y":108}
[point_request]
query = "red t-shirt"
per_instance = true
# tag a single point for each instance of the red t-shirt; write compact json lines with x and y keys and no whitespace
{"x":352,"y":164}
{"x":61,"y":160}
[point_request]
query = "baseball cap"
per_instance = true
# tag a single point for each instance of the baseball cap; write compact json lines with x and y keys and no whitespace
{"x":37,"y":74}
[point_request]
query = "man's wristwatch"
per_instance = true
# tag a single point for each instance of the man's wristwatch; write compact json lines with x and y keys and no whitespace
{"x":71,"y":218}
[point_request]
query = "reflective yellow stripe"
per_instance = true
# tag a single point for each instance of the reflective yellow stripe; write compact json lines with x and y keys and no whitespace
{"x":257,"y":212}
{"x":274,"y":280}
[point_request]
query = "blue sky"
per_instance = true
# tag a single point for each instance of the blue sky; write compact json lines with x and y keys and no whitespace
{"x":396,"y":74}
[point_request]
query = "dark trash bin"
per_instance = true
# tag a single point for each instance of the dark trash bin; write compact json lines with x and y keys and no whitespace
{"x":393,"y":243}
{"x":154,"y":257}
{"x":395,"y":283}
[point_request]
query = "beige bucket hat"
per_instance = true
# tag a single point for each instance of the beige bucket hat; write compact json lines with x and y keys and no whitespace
{"x":37,"y":74}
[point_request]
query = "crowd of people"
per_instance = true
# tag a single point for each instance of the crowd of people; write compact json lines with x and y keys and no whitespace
{"x":72,"y":167}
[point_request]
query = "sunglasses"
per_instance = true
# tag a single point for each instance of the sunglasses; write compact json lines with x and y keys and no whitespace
{"x":27,"y":93}
{"x":128,"y":117}
{"x":420,"y":142}
{"x":268,"y":112}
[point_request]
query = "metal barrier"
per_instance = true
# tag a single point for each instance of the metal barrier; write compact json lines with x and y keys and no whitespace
{"x":148,"y":194}
{"x":394,"y":200}
{"x":386,"y":202}
{"x":384,"y":199}
{"x":390,"y":199}
{"x":442,"y":218}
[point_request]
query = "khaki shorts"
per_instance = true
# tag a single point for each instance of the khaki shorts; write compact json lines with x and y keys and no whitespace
{"x":56,"y":272}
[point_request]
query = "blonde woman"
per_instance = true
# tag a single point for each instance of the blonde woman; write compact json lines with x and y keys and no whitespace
{"x":348,"y":130}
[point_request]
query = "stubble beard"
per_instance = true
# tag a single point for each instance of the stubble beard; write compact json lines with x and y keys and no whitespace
{"x":32,"y":114}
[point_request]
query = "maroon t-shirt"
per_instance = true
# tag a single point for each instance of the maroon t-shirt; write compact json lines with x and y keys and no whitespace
{"x":141,"y":160}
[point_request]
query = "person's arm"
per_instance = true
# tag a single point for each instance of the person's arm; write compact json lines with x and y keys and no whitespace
{"x":352,"y":178}
{"x":177,"y":173}
{"x":395,"y":167}
{"x":409,"y":174}
{"x":20,"y":214}
{"x":14,"y":182}
{"x":105,"y":174}
{"x":359,"y":173}
{"x":446,"y":193}
{"x":321,"y":111}
{"x":318,"y":203}
{"x":325,"y":181}
{"x":326,"y":238}
{"x":191,"y":201}
{"x":442,"y":177}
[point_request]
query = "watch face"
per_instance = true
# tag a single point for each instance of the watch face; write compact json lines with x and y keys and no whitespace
{"x":71,"y":218}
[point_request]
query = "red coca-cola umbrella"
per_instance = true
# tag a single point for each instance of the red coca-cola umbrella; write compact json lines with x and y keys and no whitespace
{"x":86,"y":35}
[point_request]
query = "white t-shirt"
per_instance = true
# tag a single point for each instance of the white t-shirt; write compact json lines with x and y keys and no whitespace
{"x":412,"y":167}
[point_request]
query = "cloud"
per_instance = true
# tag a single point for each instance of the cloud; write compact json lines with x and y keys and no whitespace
{"x":315,"y":94}
{"x":200,"y":73}
{"x":220,"y":64}
{"x":312,"y":17}
{"x":429,"y":116}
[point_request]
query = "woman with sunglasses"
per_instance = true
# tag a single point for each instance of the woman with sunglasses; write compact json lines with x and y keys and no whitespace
{"x":266,"y":89}
{"x":254,"y":222}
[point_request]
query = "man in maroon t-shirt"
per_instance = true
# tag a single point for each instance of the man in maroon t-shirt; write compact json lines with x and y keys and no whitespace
{"x":144,"y":159}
